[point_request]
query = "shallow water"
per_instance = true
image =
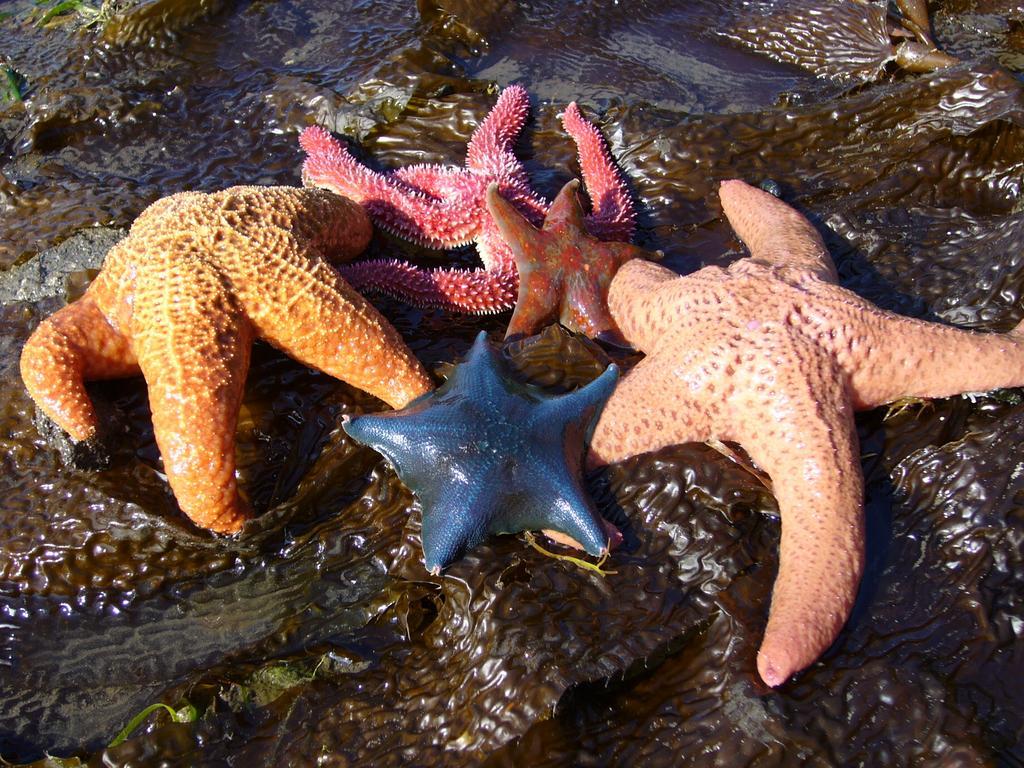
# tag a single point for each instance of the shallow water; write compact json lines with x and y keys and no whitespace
{"x":317,"y":637}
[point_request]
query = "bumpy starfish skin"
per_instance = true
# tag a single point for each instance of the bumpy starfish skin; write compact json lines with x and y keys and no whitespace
{"x":444,"y":207}
{"x":772,"y":354}
{"x":564,"y":272}
{"x":181,"y":299}
{"x":486,"y":454}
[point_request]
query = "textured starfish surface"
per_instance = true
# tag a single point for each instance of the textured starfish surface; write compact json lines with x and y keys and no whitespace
{"x":180,"y":301}
{"x":771,"y":353}
{"x":564,"y":271}
{"x":486,"y":454}
{"x":444,"y":207}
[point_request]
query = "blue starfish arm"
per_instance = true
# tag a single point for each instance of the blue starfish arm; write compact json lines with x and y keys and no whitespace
{"x":581,"y":407}
{"x":408,"y":439}
{"x":462,"y":512}
{"x":454,"y":519}
{"x":556,"y":500}
{"x":479,"y":378}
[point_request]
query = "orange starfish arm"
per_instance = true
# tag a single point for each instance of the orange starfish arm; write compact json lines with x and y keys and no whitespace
{"x":72,"y":346}
{"x":194,"y":355}
{"x":630,"y":418}
{"x":309,"y":311}
{"x":644,"y":323}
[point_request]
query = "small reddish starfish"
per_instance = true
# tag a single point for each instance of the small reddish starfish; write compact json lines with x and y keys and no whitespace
{"x":445,"y":207}
{"x":563,"y":272}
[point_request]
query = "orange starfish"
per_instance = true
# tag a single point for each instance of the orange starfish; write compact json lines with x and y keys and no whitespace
{"x":181,"y":300}
{"x":771,"y":353}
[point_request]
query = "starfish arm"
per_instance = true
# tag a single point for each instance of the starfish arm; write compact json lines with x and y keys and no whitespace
{"x":634,"y":304}
{"x":585,"y":308}
{"x":193,"y":345}
{"x":580,"y":407}
{"x":410,"y":440}
{"x":334,"y":225}
{"x":633,"y":422}
{"x":567,"y":510}
{"x":454,"y":520}
{"x":537,"y":296}
{"x":536,"y":306}
{"x":507,"y":233}
{"x":888,"y":357}
{"x":304,"y":307}
{"x":72,"y":346}
{"x":565,"y":210}
{"x":477,"y":291}
{"x":613,"y":217}
{"x":797,"y":424}
{"x":437,"y":181}
{"x":512,"y":226}
{"x":490,"y":147}
{"x":394,"y":206}
{"x":774,"y":233}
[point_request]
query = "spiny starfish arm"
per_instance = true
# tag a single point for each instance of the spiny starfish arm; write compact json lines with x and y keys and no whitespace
{"x":774,"y":233}
{"x":436,"y":181}
{"x":477,"y":291}
{"x":195,"y":381}
{"x":630,"y":417}
{"x":490,"y":147}
{"x":891,"y":357}
{"x":393,"y":205}
{"x":72,"y":346}
{"x":798,"y":426}
{"x":613,"y":216}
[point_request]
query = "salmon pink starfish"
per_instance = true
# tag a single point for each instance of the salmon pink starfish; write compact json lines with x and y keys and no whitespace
{"x":445,"y":207}
{"x":773,"y":354}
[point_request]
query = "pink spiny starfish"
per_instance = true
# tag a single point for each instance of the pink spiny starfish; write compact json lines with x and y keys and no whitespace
{"x":445,"y":207}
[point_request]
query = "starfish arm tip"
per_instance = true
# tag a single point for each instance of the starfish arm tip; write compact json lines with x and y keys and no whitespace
{"x":588,"y":531}
{"x":315,"y":139}
{"x":769,"y":672}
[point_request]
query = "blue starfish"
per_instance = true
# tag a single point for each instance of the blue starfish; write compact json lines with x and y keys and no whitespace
{"x":486,"y":454}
